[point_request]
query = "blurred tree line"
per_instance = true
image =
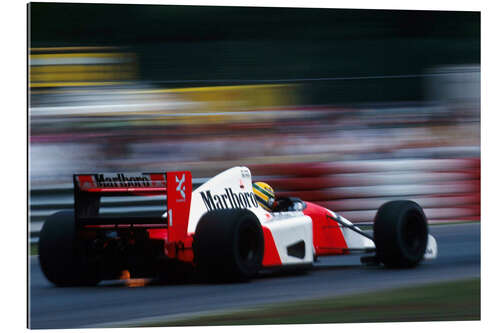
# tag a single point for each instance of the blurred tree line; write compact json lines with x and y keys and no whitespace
{"x":233,"y":44}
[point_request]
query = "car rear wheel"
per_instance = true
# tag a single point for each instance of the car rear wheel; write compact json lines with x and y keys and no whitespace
{"x":62,"y":260}
{"x":228,"y":245}
{"x":400,"y":233}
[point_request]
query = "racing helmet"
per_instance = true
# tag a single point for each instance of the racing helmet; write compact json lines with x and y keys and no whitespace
{"x":264,"y":194}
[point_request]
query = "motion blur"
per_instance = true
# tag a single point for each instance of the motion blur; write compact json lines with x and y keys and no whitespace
{"x":343,"y":107}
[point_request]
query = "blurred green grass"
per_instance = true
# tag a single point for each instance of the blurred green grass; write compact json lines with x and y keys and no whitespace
{"x":445,"y":301}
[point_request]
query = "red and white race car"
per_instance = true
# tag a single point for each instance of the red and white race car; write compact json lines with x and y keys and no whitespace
{"x":217,"y":231}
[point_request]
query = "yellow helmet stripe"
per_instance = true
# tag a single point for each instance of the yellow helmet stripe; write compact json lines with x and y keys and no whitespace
{"x":262,"y":202}
{"x":263,"y":191}
{"x":260,"y":195}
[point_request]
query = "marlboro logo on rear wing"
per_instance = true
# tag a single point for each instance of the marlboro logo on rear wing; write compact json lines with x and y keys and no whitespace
{"x":117,"y":182}
{"x":176,"y":186}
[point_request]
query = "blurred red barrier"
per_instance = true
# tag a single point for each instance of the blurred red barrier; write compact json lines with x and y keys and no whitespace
{"x":448,"y":189}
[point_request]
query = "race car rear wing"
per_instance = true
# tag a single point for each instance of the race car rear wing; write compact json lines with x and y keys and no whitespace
{"x":176,"y":186}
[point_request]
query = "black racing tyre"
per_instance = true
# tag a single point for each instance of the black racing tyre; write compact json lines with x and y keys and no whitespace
{"x":400,"y":233}
{"x":228,"y":245}
{"x":61,"y":258}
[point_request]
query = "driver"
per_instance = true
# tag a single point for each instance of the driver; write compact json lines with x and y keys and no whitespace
{"x":266,"y":198}
{"x":264,"y":194}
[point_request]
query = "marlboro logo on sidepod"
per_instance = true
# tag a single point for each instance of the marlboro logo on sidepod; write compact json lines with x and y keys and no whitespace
{"x":229,"y":199}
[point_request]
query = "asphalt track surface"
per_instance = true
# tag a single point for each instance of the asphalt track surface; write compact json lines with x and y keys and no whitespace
{"x":113,"y":303}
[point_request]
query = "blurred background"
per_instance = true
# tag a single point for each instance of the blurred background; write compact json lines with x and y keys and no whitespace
{"x":347,"y":108}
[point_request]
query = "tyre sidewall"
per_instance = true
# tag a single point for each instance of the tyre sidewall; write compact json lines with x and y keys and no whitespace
{"x":414,"y":256}
{"x":248,"y":223}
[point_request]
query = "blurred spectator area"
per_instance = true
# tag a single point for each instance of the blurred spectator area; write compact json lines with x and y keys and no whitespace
{"x":89,"y":112}
{"x":140,"y":126}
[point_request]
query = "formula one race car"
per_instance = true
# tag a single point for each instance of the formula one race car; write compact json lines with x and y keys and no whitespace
{"x":219,"y":231}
